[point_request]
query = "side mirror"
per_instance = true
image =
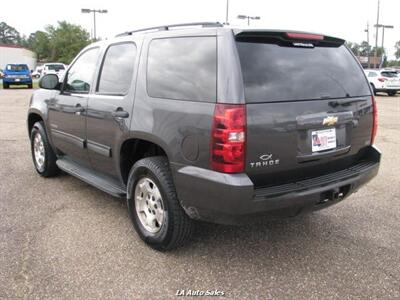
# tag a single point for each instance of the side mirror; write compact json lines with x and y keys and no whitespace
{"x":49,"y":82}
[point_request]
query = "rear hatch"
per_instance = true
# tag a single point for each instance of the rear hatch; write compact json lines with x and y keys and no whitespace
{"x":309,"y":106}
{"x":392,"y":79}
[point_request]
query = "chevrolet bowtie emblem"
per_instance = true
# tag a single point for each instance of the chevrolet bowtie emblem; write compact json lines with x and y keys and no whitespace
{"x":330,"y":121}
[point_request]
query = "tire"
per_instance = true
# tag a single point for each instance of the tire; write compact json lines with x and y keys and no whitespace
{"x":30,"y":86}
{"x":175,"y":227}
{"x":5,"y":85}
{"x":392,"y":93}
{"x":43,"y":150}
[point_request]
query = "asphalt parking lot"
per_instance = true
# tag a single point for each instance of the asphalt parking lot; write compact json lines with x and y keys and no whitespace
{"x":63,"y":239}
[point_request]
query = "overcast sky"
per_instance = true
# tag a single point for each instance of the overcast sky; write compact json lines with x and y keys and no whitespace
{"x":341,"y":18}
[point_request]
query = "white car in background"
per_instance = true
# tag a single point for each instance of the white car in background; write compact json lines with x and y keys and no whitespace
{"x":387,"y":81}
{"x":54,"y":68}
{"x":37,"y":72}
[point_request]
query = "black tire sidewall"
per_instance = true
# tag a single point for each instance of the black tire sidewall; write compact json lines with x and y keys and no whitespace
{"x":38,"y":128}
{"x":162,"y":236}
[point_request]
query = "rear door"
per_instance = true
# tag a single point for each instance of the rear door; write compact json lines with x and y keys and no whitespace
{"x":308,"y":106}
{"x":110,"y":107}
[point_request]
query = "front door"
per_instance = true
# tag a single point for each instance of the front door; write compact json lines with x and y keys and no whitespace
{"x":67,"y":110}
{"x":110,"y":107}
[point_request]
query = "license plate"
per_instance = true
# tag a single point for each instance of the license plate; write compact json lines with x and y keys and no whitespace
{"x":323,"y":139}
{"x":17,"y":79}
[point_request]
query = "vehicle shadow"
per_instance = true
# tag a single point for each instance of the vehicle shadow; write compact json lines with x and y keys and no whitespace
{"x":289,"y":238}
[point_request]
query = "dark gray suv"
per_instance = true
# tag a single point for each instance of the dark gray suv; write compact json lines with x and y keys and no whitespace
{"x":204,"y":122}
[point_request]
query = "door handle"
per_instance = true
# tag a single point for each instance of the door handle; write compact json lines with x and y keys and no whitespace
{"x":79,"y":109}
{"x":120,"y":113}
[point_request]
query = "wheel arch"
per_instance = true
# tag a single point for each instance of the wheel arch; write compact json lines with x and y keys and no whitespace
{"x":33,"y":117}
{"x":135,"y":148}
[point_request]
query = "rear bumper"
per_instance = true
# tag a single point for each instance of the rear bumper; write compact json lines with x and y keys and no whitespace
{"x":388,"y":89}
{"x":232,"y":198}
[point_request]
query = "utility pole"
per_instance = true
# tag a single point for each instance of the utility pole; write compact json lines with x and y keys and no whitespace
{"x":94,"y":11}
{"x":227,"y":13}
{"x":376,"y":34}
{"x":367,"y":31}
{"x":248,"y":18}
{"x":94,"y":24}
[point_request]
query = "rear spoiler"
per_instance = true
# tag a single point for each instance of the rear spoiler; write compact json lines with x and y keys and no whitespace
{"x":285,"y":36}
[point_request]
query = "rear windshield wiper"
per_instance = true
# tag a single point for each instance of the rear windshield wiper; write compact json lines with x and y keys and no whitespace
{"x":344,"y":102}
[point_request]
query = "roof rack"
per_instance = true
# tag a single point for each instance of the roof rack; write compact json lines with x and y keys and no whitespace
{"x":167,"y":27}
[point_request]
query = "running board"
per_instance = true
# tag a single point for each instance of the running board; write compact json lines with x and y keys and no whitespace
{"x":91,"y":177}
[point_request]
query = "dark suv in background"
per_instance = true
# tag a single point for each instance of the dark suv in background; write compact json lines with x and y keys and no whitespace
{"x":204,"y":122}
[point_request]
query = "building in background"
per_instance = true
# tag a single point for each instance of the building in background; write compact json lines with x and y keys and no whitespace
{"x":373,"y":61}
{"x":12,"y":54}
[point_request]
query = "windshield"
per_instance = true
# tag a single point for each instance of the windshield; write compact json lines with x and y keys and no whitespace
{"x":273,"y":73}
{"x":17,"y":67}
{"x":55,"y":67}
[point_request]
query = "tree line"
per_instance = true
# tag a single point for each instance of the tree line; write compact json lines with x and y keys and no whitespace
{"x":364,"y":49}
{"x":63,"y":42}
{"x":59,"y":43}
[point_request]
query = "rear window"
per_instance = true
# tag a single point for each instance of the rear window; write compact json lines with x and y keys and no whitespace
{"x":389,"y":74}
{"x":55,"y":67}
{"x":273,"y":73}
{"x":17,"y":67}
{"x":183,"y":68}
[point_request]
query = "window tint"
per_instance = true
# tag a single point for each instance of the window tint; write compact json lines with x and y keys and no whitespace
{"x":55,"y":67}
{"x":284,"y":73}
{"x":182,"y":68}
{"x":117,"y":70}
{"x":80,"y":75}
{"x":389,"y":74}
{"x":17,"y":67}
{"x":372,"y":74}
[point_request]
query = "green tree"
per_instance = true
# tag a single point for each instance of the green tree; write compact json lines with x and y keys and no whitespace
{"x":393,"y":63}
{"x":380,"y":51}
{"x":65,"y":41}
{"x":365,"y":49}
{"x":397,"y":53}
{"x":8,"y":34}
{"x":39,"y":42}
{"x":354,"y":47}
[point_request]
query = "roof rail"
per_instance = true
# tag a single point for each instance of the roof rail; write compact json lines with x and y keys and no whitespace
{"x":167,"y":27}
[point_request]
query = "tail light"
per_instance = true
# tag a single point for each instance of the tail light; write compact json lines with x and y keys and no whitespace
{"x":304,"y":36}
{"x":382,"y":79}
{"x":374,"y":120}
{"x":228,"y":138}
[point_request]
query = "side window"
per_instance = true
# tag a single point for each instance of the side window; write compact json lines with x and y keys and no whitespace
{"x":117,"y":69}
{"x":183,"y":68}
{"x":80,"y":75}
{"x":371,"y":74}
